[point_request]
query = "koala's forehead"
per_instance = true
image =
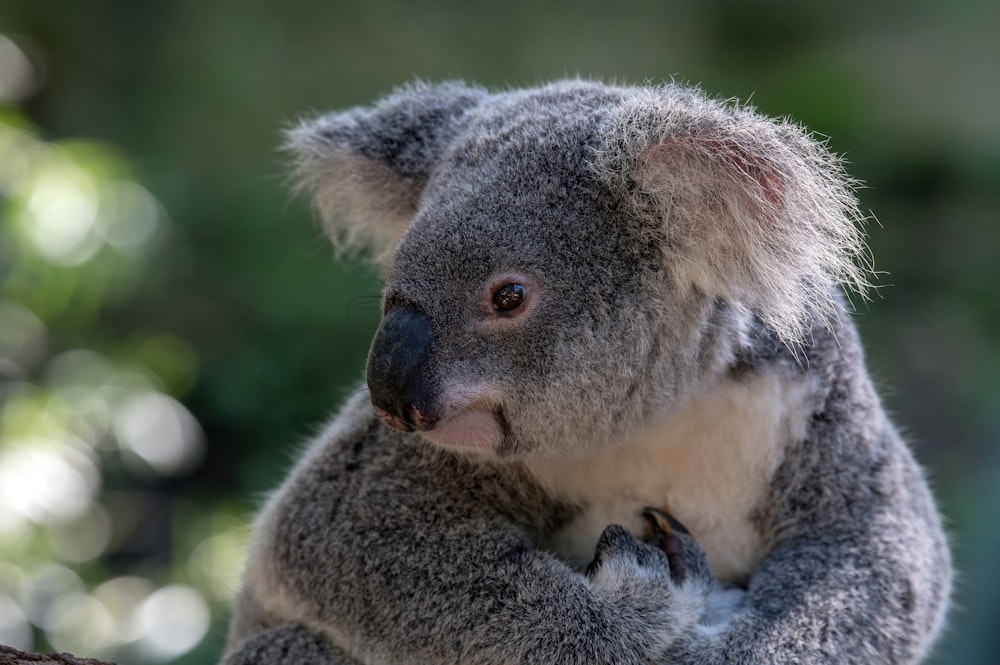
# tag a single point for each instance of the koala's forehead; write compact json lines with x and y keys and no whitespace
{"x":543,"y":136}
{"x":515,"y":191}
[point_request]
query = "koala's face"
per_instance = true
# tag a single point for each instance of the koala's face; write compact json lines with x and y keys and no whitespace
{"x":555,"y":257}
{"x":519,"y":312}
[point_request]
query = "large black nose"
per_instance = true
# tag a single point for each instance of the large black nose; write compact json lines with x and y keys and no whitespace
{"x":399,"y":376}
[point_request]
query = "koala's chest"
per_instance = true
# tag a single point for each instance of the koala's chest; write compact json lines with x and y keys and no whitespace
{"x":710,"y":465}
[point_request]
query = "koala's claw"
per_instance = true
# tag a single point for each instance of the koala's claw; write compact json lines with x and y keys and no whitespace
{"x":659,"y":521}
{"x":686,"y":557}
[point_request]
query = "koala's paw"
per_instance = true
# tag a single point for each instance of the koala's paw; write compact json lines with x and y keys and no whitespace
{"x":630,"y":573}
{"x":667,"y":550}
{"x":664,"y":581}
{"x":618,"y":548}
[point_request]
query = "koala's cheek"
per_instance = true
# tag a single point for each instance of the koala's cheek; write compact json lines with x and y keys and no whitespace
{"x":472,"y":429}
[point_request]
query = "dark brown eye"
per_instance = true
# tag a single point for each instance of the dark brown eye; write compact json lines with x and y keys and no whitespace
{"x":509,"y":296}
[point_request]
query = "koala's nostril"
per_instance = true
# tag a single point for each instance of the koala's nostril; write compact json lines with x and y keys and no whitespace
{"x":420,"y":421}
{"x":391,"y":420}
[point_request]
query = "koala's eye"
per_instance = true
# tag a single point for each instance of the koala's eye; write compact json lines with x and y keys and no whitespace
{"x":509,"y":296}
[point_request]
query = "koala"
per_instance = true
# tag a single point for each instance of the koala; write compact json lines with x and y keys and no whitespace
{"x":607,"y":312}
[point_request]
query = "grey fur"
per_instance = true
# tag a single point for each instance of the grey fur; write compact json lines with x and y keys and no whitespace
{"x":675,"y":251}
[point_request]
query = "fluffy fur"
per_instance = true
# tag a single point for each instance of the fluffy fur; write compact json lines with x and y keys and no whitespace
{"x":681,"y":345}
{"x":751,"y":208}
{"x":352,"y":182}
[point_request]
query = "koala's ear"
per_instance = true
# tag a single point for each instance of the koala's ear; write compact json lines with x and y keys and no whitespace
{"x":365,"y":168}
{"x":745,"y":207}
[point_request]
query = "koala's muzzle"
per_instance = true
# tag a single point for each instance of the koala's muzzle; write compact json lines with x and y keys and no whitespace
{"x":399,"y":379}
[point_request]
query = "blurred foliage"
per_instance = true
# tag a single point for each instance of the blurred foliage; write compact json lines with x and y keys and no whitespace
{"x":171,"y":326}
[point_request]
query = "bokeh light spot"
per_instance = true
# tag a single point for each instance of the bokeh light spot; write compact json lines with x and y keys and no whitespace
{"x":15,"y":631}
{"x":79,"y":623}
{"x":18,"y":151}
{"x":47,"y":481}
{"x":217,"y":562}
{"x":160,"y":431}
{"x":82,"y":538}
{"x":17,"y":76}
{"x":122,"y":597}
{"x":130,"y":216}
{"x":173,"y":620}
{"x":43,"y":587}
{"x":61,"y":215}
{"x":22,"y":339}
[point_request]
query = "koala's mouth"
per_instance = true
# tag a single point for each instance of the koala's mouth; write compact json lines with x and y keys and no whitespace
{"x":472,"y":428}
{"x":475,"y":424}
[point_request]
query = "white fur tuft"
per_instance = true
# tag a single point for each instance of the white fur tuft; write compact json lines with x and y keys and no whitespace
{"x":362,"y":204}
{"x":365,"y":168}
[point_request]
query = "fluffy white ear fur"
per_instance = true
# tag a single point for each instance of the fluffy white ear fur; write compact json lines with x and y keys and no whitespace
{"x":365,"y":168}
{"x":361,"y":202}
{"x":745,"y":207}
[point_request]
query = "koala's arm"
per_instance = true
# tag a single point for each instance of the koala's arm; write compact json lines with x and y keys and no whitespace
{"x":859,"y":568}
{"x":376,"y":552}
{"x":392,"y":553}
{"x":837,"y":589}
{"x":288,"y":643}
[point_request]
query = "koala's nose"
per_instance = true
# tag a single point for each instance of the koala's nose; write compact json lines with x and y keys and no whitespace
{"x":399,"y":377}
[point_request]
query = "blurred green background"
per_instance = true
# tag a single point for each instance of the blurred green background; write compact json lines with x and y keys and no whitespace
{"x":172,"y":325}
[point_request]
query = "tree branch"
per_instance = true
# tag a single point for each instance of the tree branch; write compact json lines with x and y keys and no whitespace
{"x":9,"y":656}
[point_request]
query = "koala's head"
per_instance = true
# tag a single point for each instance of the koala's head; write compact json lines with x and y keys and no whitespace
{"x":566,"y":263}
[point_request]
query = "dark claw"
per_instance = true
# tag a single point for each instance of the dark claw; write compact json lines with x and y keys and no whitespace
{"x":684,"y":554}
{"x":659,"y":521}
